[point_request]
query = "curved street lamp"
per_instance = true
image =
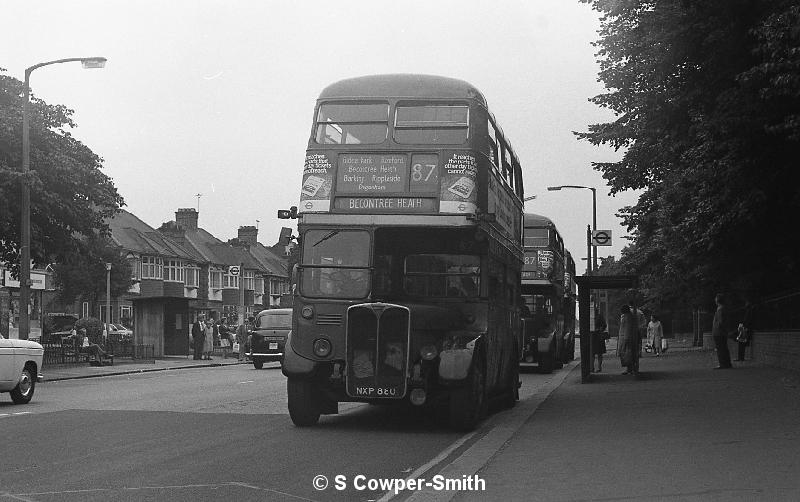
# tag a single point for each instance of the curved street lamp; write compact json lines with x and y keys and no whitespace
{"x":25,"y":233}
{"x":593,"y":267}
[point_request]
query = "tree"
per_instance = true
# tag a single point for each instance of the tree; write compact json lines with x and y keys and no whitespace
{"x":707,"y":104}
{"x":83,"y":275}
{"x":70,"y":197}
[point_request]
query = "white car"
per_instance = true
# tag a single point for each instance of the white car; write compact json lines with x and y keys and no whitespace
{"x":20,"y":368}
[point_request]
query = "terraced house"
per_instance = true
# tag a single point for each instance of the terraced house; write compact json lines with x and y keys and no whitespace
{"x":180,"y":271}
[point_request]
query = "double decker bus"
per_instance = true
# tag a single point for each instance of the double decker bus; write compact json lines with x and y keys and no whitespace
{"x":548,"y":294}
{"x":410,"y":252}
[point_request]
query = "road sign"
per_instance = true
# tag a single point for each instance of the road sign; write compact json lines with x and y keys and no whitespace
{"x":601,"y":238}
{"x":233,"y":270}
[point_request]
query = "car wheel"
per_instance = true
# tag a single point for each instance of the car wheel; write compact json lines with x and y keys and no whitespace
{"x":303,"y":400}
{"x":23,"y":392}
{"x":258,"y":363}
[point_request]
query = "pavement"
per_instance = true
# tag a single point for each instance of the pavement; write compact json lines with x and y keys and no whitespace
{"x":680,"y":431}
{"x":58,"y":372}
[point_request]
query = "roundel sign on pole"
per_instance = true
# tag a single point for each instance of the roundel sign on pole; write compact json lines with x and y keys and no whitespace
{"x":233,"y":270}
{"x":601,"y":238}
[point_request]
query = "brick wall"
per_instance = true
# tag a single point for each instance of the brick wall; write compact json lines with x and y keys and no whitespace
{"x":776,"y":348}
{"x":780,"y":349}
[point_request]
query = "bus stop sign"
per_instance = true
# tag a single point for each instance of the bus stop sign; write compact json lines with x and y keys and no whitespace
{"x":601,"y":238}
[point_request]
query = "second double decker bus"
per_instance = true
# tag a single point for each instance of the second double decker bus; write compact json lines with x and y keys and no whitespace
{"x":410,"y":252}
{"x":548,"y":292}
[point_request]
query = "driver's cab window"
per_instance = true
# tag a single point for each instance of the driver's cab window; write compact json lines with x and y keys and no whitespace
{"x":335,"y":264}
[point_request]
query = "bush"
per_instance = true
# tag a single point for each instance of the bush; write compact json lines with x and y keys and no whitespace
{"x":93,"y":327}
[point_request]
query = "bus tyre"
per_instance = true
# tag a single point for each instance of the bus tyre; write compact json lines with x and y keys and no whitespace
{"x":302,"y":397}
{"x":546,"y":361}
{"x":468,"y":404}
{"x":258,"y":363}
{"x":511,"y":395}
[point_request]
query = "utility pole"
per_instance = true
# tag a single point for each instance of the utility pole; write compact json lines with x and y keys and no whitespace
{"x":198,"y":195}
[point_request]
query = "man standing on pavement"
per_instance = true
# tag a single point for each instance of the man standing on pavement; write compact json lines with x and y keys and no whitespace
{"x":720,"y":330}
{"x":198,"y":337}
{"x":241,"y":336}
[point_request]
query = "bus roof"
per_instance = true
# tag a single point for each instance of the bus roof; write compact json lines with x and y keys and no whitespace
{"x":402,"y":85}
{"x":537,"y":220}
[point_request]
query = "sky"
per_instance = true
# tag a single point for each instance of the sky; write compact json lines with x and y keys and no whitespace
{"x":216,"y":97}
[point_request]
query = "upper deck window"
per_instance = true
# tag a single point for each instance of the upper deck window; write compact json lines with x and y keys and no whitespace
{"x":352,"y":123}
{"x":536,"y":238}
{"x":431,"y":124}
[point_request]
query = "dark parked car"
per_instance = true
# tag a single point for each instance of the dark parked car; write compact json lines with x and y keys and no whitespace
{"x":57,"y":326}
{"x":268,"y":336}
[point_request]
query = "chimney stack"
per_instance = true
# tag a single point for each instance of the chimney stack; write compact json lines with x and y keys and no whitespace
{"x":248,"y":234}
{"x":186,"y":218}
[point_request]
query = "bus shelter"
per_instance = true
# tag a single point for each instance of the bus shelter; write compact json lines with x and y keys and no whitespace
{"x":586,"y":284}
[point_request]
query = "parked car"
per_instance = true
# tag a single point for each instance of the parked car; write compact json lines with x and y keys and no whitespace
{"x":268,"y":336}
{"x":57,"y":326}
{"x":20,"y":366}
{"x":119,"y":331}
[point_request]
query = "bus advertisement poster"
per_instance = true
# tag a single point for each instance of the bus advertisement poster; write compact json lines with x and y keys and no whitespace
{"x":457,"y":194}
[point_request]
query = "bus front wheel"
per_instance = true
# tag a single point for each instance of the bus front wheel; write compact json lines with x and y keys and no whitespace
{"x":303,"y":402}
{"x":547,"y":360}
{"x":468,"y":404}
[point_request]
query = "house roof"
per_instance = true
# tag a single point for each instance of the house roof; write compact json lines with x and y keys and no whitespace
{"x":132,"y":234}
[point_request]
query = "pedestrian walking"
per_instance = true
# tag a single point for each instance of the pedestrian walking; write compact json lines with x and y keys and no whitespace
{"x":720,"y":330}
{"x":198,"y":337}
{"x":208,"y":345}
{"x":655,"y":333}
{"x":745,"y":330}
{"x":629,"y":341}
{"x":599,"y":338}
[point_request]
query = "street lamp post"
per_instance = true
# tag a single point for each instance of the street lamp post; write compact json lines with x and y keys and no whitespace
{"x":591,"y":264}
{"x":108,"y":296}
{"x":25,"y":231}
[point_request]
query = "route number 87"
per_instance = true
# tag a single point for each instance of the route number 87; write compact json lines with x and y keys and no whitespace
{"x":418,"y":172}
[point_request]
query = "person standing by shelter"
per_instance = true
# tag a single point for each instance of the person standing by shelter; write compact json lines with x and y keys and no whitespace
{"x":628,"y":343}
{"x":599,"y":337}
{"x":720,"y":329}
{"x":241,"y":336}
{"x":208,"y":346}
{"x":198,"y":337}
{"x":655,"y":333}
{"x":745,"y":329}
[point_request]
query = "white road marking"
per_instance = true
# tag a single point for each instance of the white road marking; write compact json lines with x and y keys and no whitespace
{"x":248,"y":381}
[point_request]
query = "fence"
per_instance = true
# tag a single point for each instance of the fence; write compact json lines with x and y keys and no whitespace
{"x":66,"y":352}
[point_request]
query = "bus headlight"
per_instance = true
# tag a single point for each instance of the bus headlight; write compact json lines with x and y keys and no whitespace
{"x":428,"y":352}
{"x":307,"y":312}
{"x":322,"y":347}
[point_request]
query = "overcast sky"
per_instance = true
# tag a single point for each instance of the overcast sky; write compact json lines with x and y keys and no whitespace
{"x":216,"y":97}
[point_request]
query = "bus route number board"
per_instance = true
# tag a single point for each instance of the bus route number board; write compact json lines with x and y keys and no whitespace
{"x":387,"y":173}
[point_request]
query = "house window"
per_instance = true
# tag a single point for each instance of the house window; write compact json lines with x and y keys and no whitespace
{"x":230,"y":281}
{"x":173,"y":270}
{"x":85,"y":309}
{"x":192,"y":276}
{"x":136,"y":269}
{"x":249,"y":280}
{"x":259,"y":285}
{"x":126,"y":312}
{"x":215,"y":279}
{"x":152,"y":267}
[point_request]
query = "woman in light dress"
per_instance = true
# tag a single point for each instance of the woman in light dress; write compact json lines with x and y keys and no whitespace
{"x":208,"y":343}
{"x":655,"y":332}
